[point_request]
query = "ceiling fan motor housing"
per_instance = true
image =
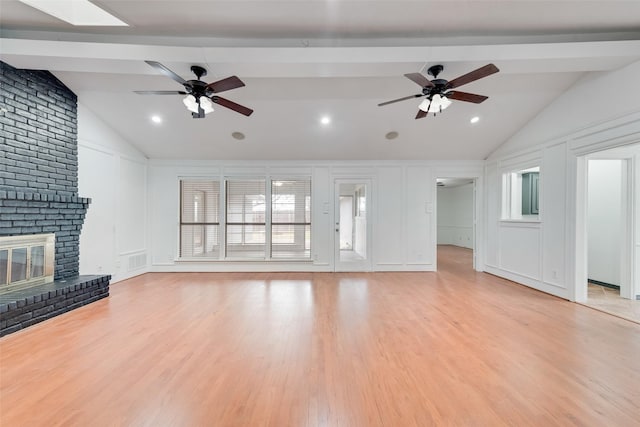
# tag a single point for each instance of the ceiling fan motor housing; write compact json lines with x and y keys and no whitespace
{"x":199,"y":71}
{"x":197,"y":88}
{"x":434,"y":70}
{"x":440,"y":85}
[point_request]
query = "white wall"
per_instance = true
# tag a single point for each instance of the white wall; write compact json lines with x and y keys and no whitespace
{"x":113,"y":174}
{"x":635,"y":178}
{"x":577,"y":109}
{"x":550,"y":254}
{"x":402,"y":197}
{"x":604,"y":225}
{"x":455,"y":216}
{"x":635,"y":161}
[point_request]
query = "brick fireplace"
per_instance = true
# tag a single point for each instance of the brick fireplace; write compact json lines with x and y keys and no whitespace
{"x":39,"y":185}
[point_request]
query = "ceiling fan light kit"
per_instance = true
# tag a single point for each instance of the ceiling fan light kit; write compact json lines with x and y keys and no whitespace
{"x":438,"y":93}
{"x":435,"y":104}
{"x":191,"y":103}
{"x":206,"y":104}
{"x":200,"y":95}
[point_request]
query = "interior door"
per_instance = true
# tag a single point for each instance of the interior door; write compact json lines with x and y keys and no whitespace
{"x":352,"y":225}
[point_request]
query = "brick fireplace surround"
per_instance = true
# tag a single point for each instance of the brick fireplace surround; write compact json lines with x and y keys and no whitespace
{"x":39,"y":192}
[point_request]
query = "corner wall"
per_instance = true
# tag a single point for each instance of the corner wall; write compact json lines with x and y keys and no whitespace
{"x":550,"y":254}
{"x":114,"y":172}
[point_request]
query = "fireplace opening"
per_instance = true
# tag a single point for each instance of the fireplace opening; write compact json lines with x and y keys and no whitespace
{"x":26,"y":261}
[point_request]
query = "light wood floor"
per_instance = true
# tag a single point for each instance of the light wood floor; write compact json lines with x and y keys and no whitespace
{"x":299,"y":349}
{"x":609,"y":300}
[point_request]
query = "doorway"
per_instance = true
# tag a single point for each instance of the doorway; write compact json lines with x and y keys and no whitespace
{"x":609,"y":249}
{"x":608,"y":215}
{"x":456,"y":222}
{"x":352,"y":225}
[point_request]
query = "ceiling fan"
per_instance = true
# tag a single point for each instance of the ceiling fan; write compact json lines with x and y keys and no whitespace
{"x":437,"y":92}
{"x":200,"y":95}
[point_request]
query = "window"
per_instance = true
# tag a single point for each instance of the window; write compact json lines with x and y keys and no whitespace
{"x":291,"y":219}
{"x":263,"y":219}
{"x":199,"y":219}
{"x":521,"y":194}
{"x":246,"y":222}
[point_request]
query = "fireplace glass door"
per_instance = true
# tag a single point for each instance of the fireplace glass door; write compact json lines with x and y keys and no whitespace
{"x":4,"y":266}
{"x":37,"y":262}
{"x":18,"y":264}
{"x":26,"y":260}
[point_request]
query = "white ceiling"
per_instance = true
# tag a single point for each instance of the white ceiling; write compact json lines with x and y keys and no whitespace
{"x":304,"y":59}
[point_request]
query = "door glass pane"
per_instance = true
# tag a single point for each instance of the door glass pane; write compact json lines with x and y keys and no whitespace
{"x":346,"y":223}
{"x":353,"y":222}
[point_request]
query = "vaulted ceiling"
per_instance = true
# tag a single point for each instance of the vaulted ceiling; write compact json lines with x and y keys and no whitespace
{"x":305,"y":59}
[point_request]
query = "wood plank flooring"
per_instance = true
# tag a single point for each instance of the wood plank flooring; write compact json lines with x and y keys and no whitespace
{"x":319,"y":349}
{"x":609,"y":300}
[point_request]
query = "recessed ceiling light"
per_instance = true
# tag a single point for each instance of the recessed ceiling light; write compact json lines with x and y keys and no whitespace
{"x":391,"y":135}
{"x":76,"y":12}
{"x":238,"y":135}
{"x":325,"y":120}
{"x":156,"y":119}
{"x":474,"y":119}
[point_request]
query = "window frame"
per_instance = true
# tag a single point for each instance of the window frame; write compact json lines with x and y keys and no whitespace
{"x":266,"y":193}
{"x":308,"y":196}
{"x":181,"y":222}
{"x":222,"y":255}
{"x":511,"y":186}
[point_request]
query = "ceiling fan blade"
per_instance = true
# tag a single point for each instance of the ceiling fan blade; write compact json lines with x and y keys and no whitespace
{"x":167,"y":72}
{"x":421,"y":114}
{"x":420,"y":79}
{"x":400,"y":99}
{"x":481,"y":72}
{"x":232,"y":105}
{"x":225,"y":84}
{"x":160,"y":92}
{"x":467,"y":97}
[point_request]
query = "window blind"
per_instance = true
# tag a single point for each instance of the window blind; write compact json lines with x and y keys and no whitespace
{"x":245,"y":218}
{"x":199,"y":219}
{"x":291,"y":219}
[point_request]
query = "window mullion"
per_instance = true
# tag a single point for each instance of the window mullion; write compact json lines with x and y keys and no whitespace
{"x":222,"y":219}
{"x":267,"y":217}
